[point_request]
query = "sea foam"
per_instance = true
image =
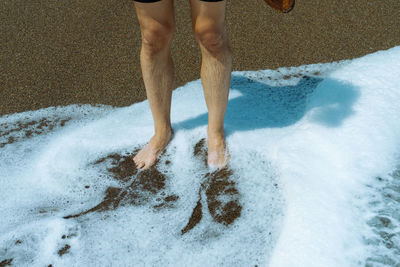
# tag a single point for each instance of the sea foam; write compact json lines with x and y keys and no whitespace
{"x":313,"y":178}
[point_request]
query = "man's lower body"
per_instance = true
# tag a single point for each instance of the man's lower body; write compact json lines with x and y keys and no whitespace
{"x":157,"y":26}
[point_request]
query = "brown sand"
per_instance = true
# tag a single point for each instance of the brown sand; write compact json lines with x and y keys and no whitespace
{"x":149,"y":187}
{"x":6,"y":262}
{"x":59,"y":53}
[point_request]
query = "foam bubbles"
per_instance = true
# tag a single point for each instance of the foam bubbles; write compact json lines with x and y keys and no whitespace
{"x":312,"y":179}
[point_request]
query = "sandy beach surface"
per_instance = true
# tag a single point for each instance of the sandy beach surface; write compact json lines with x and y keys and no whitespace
{"x":313,"y":173}
{"x":60,"y":53}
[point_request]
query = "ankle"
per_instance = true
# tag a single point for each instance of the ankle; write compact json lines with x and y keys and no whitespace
{"x":215,"y":139}
{"x":163,"y":133}
{"x":218,"y":133}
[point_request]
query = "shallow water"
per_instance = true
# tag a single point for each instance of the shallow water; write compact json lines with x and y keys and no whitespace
{"x":313,"y":178}
{"x":384,"y":221}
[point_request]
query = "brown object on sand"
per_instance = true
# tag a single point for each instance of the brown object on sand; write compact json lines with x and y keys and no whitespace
{"x":283,"y":6}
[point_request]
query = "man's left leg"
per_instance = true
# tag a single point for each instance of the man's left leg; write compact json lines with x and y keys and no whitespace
{"x":208,"y":23}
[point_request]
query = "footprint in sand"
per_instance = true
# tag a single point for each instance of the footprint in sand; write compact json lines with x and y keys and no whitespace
{"x":138,"y":187}
{"x":222,"y":197}
{"x":149,"y":187}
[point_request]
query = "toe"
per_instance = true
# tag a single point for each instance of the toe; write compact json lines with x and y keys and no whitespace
{"x":136,"y":158}
{"x":212,"y":161}
{"x":140,"y":165}
{"x":218,"y":160}
{"x":145,"y":166}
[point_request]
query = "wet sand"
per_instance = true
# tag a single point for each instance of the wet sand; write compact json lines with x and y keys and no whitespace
{"x":150,"y":187}
{"x":58,"y":53}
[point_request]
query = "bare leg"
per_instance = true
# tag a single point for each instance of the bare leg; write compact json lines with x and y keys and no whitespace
{"x":208,"y":21}
{"x":156,"y":24}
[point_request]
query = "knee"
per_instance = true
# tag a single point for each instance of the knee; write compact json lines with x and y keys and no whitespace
{"x":211,"y":37}
{"x":156,"y":37}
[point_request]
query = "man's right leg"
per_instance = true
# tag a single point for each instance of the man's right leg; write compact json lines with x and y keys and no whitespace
{"x":157,"y":26}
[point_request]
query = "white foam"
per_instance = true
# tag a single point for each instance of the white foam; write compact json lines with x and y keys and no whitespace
{"x":305,"y":154}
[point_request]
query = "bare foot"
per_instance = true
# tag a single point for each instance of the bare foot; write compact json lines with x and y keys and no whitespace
{"x":148,"y":155}
{"x":218,"y":155}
